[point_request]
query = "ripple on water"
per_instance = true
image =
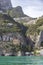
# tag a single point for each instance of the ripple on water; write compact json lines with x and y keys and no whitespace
{"x":23,"y":60}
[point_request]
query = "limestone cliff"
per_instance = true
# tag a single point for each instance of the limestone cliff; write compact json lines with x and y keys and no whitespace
{"x":5,"y":4}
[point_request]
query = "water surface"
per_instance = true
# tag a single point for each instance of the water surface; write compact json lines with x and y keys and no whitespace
{"x":23,"y":60}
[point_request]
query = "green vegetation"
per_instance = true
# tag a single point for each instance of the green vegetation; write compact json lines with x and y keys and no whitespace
{"x":33,"y":28}
{"x":39,"y":22}
{"x":5,"y":26}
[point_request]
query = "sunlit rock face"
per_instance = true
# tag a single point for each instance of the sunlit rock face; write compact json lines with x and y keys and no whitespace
{"x":41,"y":36}
{"x":5,"y":4}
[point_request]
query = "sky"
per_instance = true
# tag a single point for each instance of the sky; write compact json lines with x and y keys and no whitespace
{"x":33,"y":8}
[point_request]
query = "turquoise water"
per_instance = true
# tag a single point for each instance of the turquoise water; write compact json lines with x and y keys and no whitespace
{"x":23,"y":60}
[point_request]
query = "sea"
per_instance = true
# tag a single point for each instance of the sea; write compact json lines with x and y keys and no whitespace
{"x":21,"y":60}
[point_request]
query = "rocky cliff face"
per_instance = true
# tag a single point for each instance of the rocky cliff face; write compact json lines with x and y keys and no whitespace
{"x":12,"y":33}
{"x":12,"y":36}
{"x":16,"y":12}
{"x":5,"y":4}
{"x":41,"y":37}
{"x":19,"y":16}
